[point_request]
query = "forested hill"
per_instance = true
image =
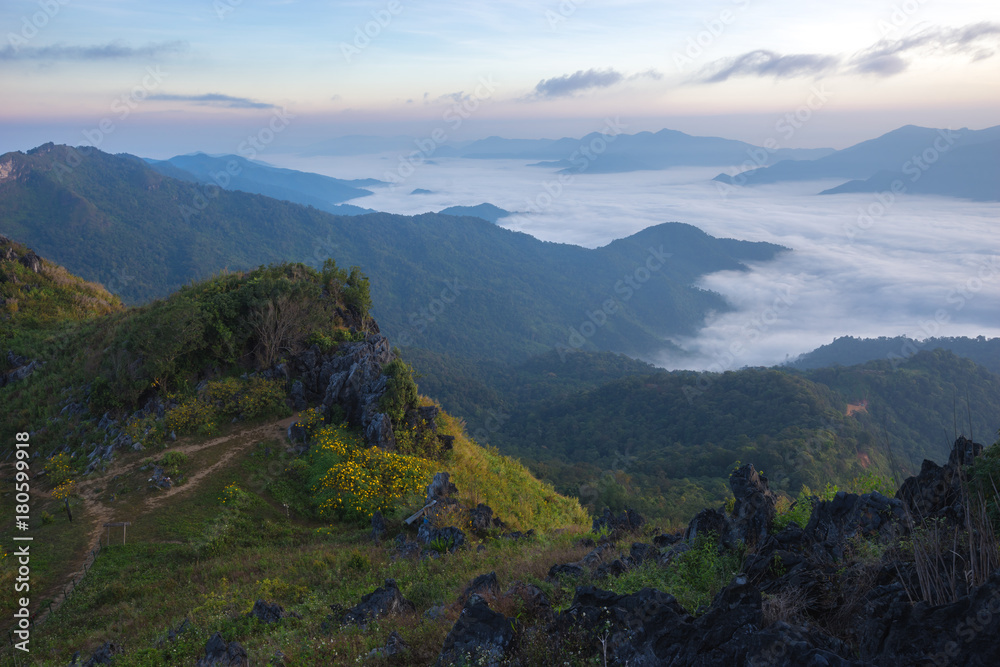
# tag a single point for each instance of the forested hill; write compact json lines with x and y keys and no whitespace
{"x":456,"y":285}
{"x":671,"y":438}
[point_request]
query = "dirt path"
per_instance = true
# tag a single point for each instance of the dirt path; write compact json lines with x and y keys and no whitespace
{"x":97,"y":512}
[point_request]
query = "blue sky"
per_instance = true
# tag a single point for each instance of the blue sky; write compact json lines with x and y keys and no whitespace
{"x":164,"y":78}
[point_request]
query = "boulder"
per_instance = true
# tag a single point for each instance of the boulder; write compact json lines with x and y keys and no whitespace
{"x":220,"y":653}
{"x":450,"y":538}
{"x":481,"y":519}
{"x":383,"y":601}
{"x":268,"y":612}
{"x":480,"y":636}
{"x":485,"y":585}
{"x":629,"y":521}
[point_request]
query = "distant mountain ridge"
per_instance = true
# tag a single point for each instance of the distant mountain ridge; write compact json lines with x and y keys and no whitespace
{"x":851,"y":351}
{"x":610,"y":152}
{"x":959,"y":163}
{"x":233,"y":172}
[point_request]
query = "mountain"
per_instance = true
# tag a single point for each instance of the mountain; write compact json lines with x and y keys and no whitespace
{"x":911,"y":151}
{"x":612,"y":152}
{"x":232,"y":172}
{"x":969,"y":172}
{"x":485,"y":211}
{"x":850,"y":351}
{"x":459,"y":285}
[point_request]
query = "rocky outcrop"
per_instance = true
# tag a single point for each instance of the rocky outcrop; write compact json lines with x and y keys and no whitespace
{"x":18,"y":368}
{"x":440,"y":488}
{"x":753,"y":512}
{"x":350,"y":378}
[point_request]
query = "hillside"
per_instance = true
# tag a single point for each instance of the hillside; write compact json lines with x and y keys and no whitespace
{"x":35,"y":293}
{"x":664,"y":442}
{"x":177,"y":417}
{"x":460,"y":286}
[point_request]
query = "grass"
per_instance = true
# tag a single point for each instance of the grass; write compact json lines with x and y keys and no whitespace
{"x":483,"y":475}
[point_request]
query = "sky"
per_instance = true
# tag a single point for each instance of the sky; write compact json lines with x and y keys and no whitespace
{"x":160,"y":79}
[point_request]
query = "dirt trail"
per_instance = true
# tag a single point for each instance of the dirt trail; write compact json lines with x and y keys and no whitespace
{"x":99,"y":513}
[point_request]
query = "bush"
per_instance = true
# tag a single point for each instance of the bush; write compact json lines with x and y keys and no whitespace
{"x":400,"y":390}
{"x":58,"y":469}
{"x":370,"y":480}
{"x":192,"y":416}
{"x":253,"y":398}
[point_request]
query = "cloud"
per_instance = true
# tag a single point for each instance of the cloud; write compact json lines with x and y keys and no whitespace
{"x":109,"y":51}
{"x":570,"y":84}
{"x":214,"y":100}
{"x":884,"y":59}
{"x":768,"y":63}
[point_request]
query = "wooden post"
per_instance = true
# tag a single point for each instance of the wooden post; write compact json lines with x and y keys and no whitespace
{"x":123,"y":524}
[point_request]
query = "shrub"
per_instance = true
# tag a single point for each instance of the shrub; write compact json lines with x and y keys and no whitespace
{"x":64,"y":490}
{"x":400,"y":390}
{"x":192,"y":416}
{"x":253,"y":398}
{"x":58,"y":469}
{"x":371,"y":480}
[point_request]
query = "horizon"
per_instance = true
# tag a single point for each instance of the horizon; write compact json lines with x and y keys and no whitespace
{"x":199,"y":75}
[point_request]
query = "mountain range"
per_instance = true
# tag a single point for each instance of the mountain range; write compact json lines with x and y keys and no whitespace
{"x":459,"y":285}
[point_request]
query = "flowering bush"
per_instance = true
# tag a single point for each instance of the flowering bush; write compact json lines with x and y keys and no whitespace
{"x":369,"y":480}
{"x":64,"y":490}
{"x":192,"y":416}
{"x":58,"y":469}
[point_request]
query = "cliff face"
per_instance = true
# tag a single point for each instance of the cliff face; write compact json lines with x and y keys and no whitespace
{"x":351,"y":377}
